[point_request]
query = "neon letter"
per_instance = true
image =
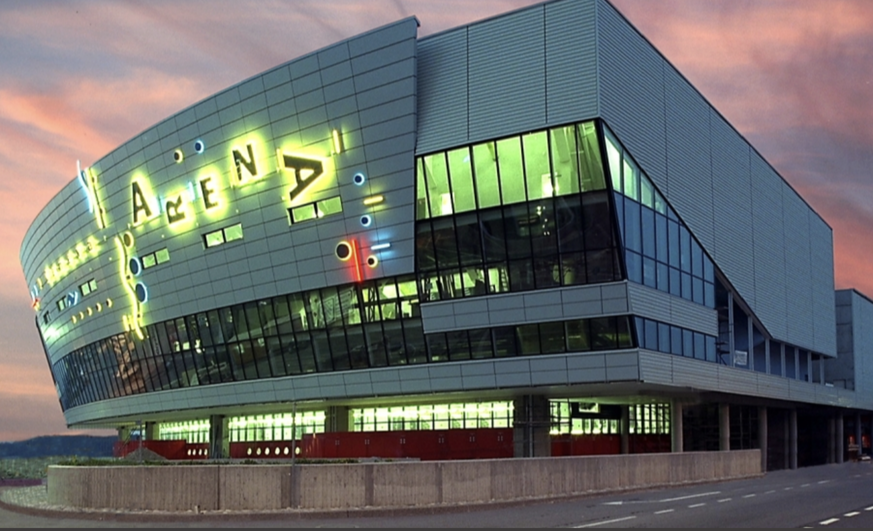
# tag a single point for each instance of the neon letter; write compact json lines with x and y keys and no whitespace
{"x":139,"y":203}
{"x":306,"y":171}
{"x":207,"y":192}
{"x":176,"y":210}
{"x":239,"y":161}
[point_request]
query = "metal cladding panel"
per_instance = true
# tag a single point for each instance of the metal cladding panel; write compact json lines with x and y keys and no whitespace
{"x":798,"y":277}
{"x":571,"y":61}
{"x":862,"y":333}
{"x":732,"y":207}
{"x":822,"y":255}
{"x":656,"y":368}
{"x":769,"y":253}
{"x":631,"y":92}
{"x":507,"y":83}
{"x":689,"y":162}
{"x":660,"y":306}
{"x":273,"y":256}
{"x":442,"y":91}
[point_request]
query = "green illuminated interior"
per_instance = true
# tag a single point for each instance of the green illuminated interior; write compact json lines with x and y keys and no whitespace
{"x":555,"y":162}
{"x":434,"y":417}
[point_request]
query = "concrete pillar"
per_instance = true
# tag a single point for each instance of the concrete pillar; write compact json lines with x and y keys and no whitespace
{"x":151,"y":431}
{"x":840,"y":442}
{"x":219,"y":437}
{"x":724,"y":427}
{"x":792,"y":439}
{"x":336,"y":419}
{"x":625,"y":429}
{"x":786,"y":436}
{"x":832,"y":441}
{"x":531,"y":426}
{"x":763,"y":436}
{"x":677,"y":442}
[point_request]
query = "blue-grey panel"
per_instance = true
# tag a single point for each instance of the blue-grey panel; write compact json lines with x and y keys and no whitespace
{"x":442,"y":91}
{"x":798,"y":277}
{"x":769,"y":241}
{"x":689,"y":168}
{"x":732,"y":207}
{"x":632,"y":92}
{"x":497,"y":50}
{"x":571,"y":61}
{"x":660,"y":306}
{"x":822,"y":256}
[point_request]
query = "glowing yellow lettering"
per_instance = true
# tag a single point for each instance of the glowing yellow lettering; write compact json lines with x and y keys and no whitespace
{"x":175,"y":210}
{"x":248,"y":164}
{"x":306,"y":170}
{"x":207,"y":191}
{"x":139,"y":203}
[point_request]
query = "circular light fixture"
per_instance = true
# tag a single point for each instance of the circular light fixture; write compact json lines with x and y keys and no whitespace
{"x":344,"y":251}
{"x":366,"y":220}
{"x":178,"y":156}
{"x":127,"y":239}
{"x":359,"y":179}
{"x":135,"y":266}
{"x":142,"y":293}
{"x":199,"y":146}
{"x":372,"y":261}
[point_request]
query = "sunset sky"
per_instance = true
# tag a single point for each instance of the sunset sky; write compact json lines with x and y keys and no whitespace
{"x":795,"y":77}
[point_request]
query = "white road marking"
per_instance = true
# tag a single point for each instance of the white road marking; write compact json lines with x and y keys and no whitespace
{"x":829,"y":522}
{"x":789,"y":488}
{"x":725,"y":500}
{"x":857,"y":475}
{"x":595,"y":524}
{"x":868,"y":509}
{"x":696,"y":505}
{"x":749,"y":495}
{"x":665,"y":511}
{"x":852,"y":514}
{"x":667,"y":500}
{"x":804,"y":485}
{"x":690,"y":497}
{"x":822,"y":482}
{"x":770,"y":492}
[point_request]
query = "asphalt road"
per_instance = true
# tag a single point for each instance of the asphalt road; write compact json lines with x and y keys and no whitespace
{"x":832,"y":496}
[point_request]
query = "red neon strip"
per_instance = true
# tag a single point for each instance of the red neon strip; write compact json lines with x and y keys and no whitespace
{"x":359,"y":275}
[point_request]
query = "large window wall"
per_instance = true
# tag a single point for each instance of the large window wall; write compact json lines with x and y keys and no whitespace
{"x":522,"y":213}
{"x":660,"y":251}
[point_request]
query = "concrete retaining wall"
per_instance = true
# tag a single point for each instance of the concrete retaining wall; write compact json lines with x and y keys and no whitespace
{"x":406,"y":484}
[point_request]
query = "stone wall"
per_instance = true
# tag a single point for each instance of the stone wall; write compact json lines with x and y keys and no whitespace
{"x":383,"y":485}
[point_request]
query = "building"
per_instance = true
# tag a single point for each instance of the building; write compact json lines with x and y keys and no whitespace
{"x":525,"y":236}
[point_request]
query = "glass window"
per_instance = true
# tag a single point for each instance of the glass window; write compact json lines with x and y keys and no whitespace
{"x":437,"y":347}
{"x":676,"y":340}
{"x":485,"y":173}
{"x":686,"y":286}
{"x":536,"y":166}
{"x":688,"y":343}
{"x":663,"y":277}
{"x":469,"y":238}
{"x":422,"y":208}
{"x":518,"y":225}
{"x":481,"y":344}
{"x":511,"y":170}
{"x":697,"y":294}
{"x":589,"y":158}
{"x":674,"y":243}
{"x":459,"y":345}
{"x":664,"y":338}
{"x":675,"y":282}
{"x":660,"y":204}
{"x":613,"y":153}
{"x":505,"y":342}
{"x":327,"y":207}
{"x":461,"y":173}
{"x":552,"y":338}
{"x":234,"y":232}
{"x":647,"y":192}
{"x":213,"y":239}
{"x":634,"y":267}
{"x":415,"y":346}
{"x":649,"y":273}
{"x":710,"y":348}
{"x":603,"y":333}
{"x":648,"y":227}
{"x":303,"y":213}
{"x":563,"y":149}
{"x":696,"y":259}
{"x":699,"y":346}
{"x":163,"y":255}
{"x":437,"y":179}
{"x":661,"y":247}
{"x":529,"y":338}
{"x":493,"y":235}
{"x":651,"y":335}
{"x":631,"y":175}
{"x":632,"y":231}
{"x":598,"y":221}
{"x":445,"y":243}
{"x":684,"y":250}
